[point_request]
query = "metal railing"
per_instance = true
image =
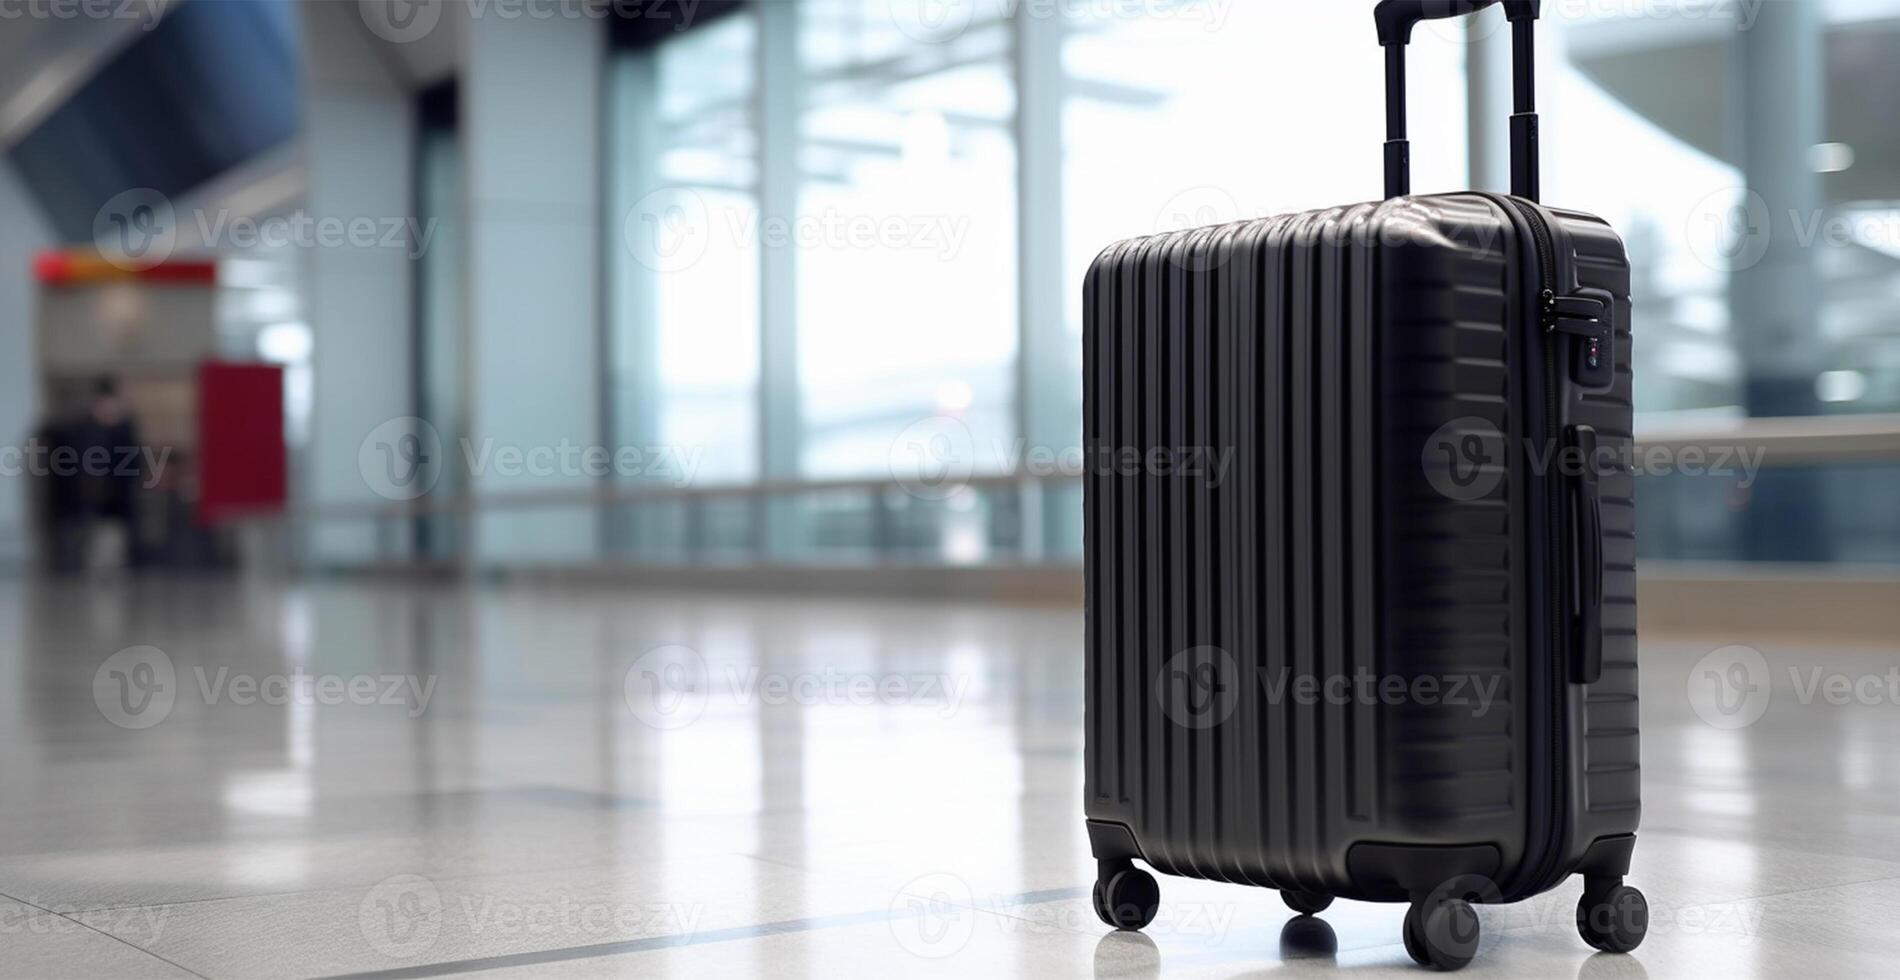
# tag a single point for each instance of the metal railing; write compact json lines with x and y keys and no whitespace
{"x":984,"y":519}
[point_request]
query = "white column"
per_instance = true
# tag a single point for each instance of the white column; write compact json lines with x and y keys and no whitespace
{"x":358,"y":132}
{"x":781,"y":416}
{"x":1048,"y":357}
{"x":22,"y":232}
{"x":531,"y":112}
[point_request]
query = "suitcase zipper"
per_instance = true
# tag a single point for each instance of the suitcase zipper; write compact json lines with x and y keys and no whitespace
{"x":1552,"y":319}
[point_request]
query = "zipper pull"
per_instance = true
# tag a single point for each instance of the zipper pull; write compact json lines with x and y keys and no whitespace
{"x":1580,"y":316}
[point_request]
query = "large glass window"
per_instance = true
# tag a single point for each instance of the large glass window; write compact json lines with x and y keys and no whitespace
{"x":1745,"y":154}
{"x":1763,"y":195}
{"x":1740,"y":149}
{"x":685,"y":277}
{"x":1180,"y":115}
{"x":906,"y":254}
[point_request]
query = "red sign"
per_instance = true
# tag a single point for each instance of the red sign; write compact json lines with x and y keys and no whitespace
{"x":241,"y":455}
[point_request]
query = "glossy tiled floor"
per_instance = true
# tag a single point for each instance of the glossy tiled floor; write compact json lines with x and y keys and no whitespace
{"x":480,"y":780}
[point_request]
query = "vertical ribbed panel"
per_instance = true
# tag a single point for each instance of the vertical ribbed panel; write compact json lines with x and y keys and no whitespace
{"x":1322,"y":359}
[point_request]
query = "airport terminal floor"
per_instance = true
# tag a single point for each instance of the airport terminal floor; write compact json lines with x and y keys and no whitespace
{"x":391,"y":778}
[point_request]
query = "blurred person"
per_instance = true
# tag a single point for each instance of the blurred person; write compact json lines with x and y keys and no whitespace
{"x":94,"y":480}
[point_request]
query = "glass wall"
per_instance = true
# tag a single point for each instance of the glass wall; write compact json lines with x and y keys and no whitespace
{"x":684,"y":275}
{"x":872,"y":230}
{"x":1744,"y":155}
{"x":906,"y":237}
{"x":1188,"y":114}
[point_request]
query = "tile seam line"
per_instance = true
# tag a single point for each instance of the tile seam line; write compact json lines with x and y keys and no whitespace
{"x":117,"y":939}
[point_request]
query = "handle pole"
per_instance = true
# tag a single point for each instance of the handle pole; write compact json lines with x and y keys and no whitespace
{"x":1526,"y":181}
{"x":1395,"y":19}
{"x":1398,"y":149}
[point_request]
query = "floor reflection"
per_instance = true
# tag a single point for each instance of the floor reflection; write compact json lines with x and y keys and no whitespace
{"x":789,"y":814}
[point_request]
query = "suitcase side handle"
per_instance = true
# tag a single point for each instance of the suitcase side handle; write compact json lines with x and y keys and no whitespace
{"x":1395,"y":20}
{"x":1587,"y":500}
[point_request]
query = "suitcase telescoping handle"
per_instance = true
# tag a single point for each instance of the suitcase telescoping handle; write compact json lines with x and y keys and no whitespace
{"x":1396,"y":19}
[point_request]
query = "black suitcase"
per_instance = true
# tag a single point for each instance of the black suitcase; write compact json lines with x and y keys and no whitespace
{"x":1341,"y":463}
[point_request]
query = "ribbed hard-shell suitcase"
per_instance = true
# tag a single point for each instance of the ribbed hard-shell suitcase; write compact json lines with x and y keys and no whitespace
{"x":1360,"y":551}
